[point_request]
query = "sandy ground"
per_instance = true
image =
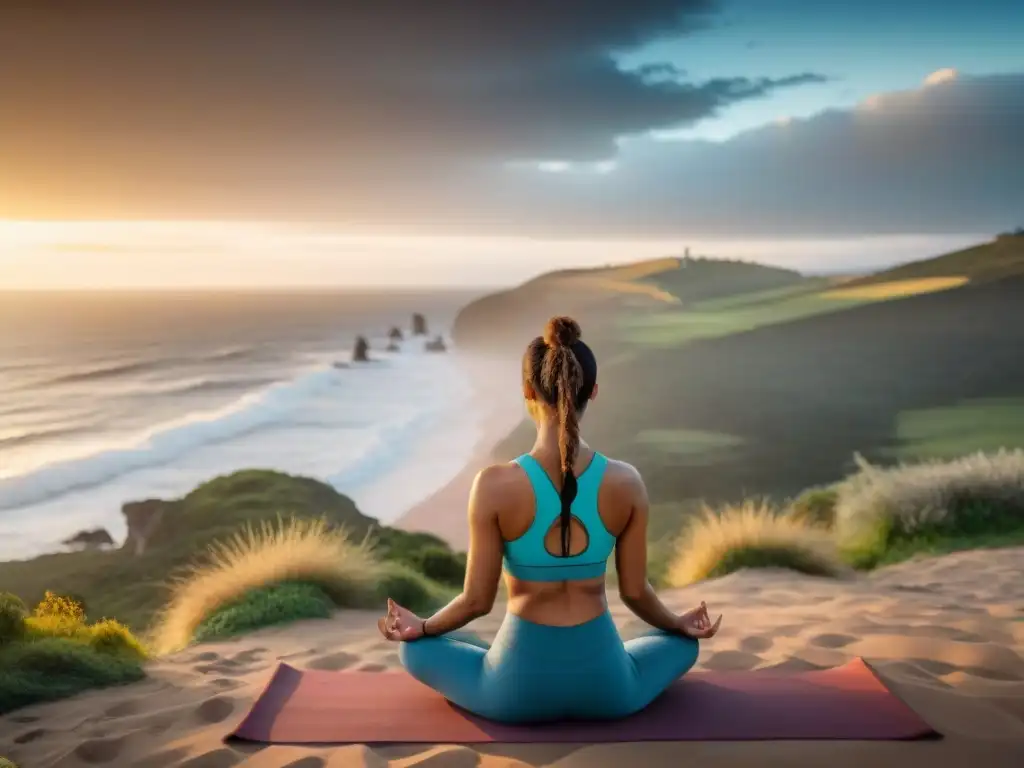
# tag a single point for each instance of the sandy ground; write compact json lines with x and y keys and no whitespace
{"x":947,"y":635}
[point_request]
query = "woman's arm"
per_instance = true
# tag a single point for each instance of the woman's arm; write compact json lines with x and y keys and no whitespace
{"x":631,"y":563}
{"x":483,"y":567}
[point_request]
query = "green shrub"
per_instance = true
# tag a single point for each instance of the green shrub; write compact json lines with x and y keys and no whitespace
{"x":12,"y":618}
{"x":888,"y":514}
{"x":55,"y":668}
{"x":442,"y":565}
{"x":5,"y":763}
{"x":816,"y":506}
{"x":410,"y":588}
{"x":277,"y":604}
{"x":62,"y":607}
{"x":114,"y":638}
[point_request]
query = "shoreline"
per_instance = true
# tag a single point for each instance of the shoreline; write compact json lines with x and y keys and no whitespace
{"x":443,"y":512}
{"x":386,"y":479}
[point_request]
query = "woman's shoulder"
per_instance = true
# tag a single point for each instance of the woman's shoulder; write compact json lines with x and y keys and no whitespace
{"x":621,"y":483}
{"x":504,"y":480}
{"x":622,"y":472}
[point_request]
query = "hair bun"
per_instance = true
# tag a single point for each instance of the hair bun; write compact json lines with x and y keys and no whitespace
{"x":562,"y":332}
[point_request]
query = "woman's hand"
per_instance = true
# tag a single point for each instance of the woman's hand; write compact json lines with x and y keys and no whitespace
{"x":697,"y":624}
{"x":400,"y":624}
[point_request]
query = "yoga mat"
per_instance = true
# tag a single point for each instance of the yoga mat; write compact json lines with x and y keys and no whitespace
{"x":321,"y":707}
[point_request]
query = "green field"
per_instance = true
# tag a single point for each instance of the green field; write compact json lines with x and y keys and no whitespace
{"x":946,"y":432}
{"x":723,"y":317}
{"x":692,"y":447}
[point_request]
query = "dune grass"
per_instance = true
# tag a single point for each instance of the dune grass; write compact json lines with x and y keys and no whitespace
{"x":55,"y":652}
{"x":884,"y":515}
{"x":5,"y":763}
{"x":815,"y":506}
{"x":751,"y":535}
{"x":258,"y":558}
{"x":875,"y":517}
{"x":270,"y":574}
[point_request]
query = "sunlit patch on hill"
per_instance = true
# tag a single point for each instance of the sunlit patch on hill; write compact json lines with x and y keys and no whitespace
{"x":897,"y":289}
{"x":629,"y":279}
{"x":686,"y":446}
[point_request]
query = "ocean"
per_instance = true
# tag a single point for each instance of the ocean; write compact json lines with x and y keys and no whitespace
{"x":113,"y":397}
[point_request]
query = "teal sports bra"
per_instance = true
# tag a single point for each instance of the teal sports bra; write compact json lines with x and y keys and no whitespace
{"x":526,"y":558}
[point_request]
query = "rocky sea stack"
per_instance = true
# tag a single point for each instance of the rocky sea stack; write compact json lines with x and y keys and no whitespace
{"x":94,"y":538}
{"x":361,"y":351}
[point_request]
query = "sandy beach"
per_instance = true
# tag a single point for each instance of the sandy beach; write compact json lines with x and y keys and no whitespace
{"x":946,"y":635}
{"x":498,"y":398}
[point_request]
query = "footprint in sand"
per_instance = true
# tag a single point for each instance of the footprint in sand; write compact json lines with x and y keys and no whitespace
{"x":910,"y":671}
{"x":225,"y":667}
{"x":371,"y":668}
{"x":249,"y":656}
{"x":755,"y":644}
{"x":218,"y":758}
{"x":215,"y":710}
{"x":731,"y":661}
{"x":206,"y":656}
{"x":225,"y":684}
{"x":934,"y":667}
{"x":99,"y":750}
{"x":833,"y":641}
{"x":163,"y":759}
{"x":306,"y":762}
{"x":30,"y":736}
{"x":333,"y":662}
{"x":122,"y":709}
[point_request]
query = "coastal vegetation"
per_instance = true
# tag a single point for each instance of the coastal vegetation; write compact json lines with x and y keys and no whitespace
{"x":54,"y":651}
{"x":874,"y":517}
{"x":222,"y":522}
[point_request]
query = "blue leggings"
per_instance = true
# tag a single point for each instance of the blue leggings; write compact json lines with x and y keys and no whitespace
{"x":534,"y":672}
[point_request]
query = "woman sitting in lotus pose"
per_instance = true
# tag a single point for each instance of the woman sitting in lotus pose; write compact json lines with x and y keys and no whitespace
{"x":553,"y":517}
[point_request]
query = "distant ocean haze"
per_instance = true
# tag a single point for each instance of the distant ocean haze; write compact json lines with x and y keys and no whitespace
{"x":106,"y":398}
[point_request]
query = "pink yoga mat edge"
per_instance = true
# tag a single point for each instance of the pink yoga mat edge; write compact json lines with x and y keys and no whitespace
{"x":312,"y":707}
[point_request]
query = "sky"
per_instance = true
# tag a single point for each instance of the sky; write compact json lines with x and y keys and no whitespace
{"x":458,"y":142}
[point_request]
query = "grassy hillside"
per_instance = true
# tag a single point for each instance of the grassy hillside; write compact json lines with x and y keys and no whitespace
{"x":995,"y":260}
{"x":131,"y":588}
{"x":766,"y":392}
{"x":508,"y":319}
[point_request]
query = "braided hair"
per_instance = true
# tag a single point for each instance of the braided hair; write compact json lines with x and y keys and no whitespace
{"x":562,"y":371}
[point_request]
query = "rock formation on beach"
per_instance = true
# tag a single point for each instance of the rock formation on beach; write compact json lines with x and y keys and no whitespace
{"x":93,"y":538}
{"x":419,"y":325}
{"x":436,"y":345}
{"x":395,"y":334}
{"x":144,"y":519}
{"x":361,"y":351}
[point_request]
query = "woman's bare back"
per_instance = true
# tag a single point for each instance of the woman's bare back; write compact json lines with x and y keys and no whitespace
{"x":561,"y":603}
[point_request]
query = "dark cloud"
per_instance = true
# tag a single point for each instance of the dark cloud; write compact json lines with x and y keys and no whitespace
{"x":322,"y":108}
{"x":947,"y":157}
